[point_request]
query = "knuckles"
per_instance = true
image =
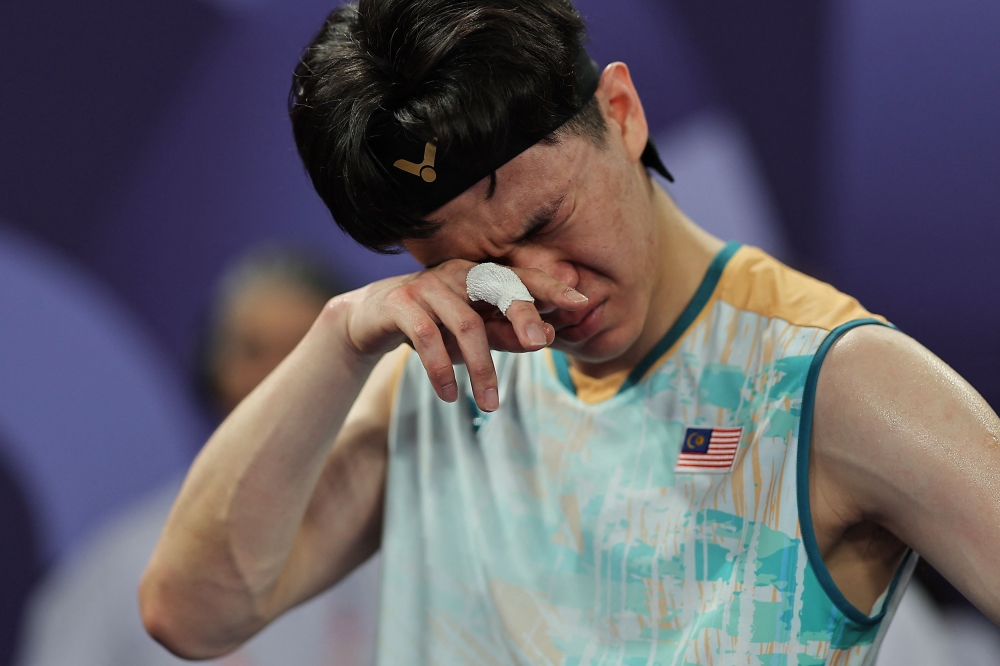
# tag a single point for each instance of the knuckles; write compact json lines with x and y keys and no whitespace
{"x":439,"y":372}
{"x":453,"y":267}
{"x":471,"y":326}
{"x":425,"y":330}
{"x":403,"y":295}
{"x":481,"y":371}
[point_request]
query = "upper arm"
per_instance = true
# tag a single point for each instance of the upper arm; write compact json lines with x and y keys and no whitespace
{"x":342,"y":525}
{"x":906,"y":443}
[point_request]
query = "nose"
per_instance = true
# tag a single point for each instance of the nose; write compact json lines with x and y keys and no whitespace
{"x":546,"y":261}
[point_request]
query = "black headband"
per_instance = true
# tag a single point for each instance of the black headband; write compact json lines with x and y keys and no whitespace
{"x":429,"y":182}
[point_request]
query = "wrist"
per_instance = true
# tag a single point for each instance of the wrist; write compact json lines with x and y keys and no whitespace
{"x":334,"y":324}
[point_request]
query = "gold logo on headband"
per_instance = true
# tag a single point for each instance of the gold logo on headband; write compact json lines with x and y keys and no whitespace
{"x":425,"y":169}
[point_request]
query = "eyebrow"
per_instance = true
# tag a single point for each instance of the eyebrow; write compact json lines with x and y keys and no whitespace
{"x":542,"y":217}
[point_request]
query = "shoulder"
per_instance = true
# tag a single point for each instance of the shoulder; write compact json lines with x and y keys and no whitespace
{"x":874,"y":375}
{"x":873,"y":387}
{"x":887,"y":409}
{"x":900,"y":440}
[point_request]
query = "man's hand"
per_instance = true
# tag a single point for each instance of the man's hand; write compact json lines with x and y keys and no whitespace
{"x":431,"y":311}
{"x":285,"y":499}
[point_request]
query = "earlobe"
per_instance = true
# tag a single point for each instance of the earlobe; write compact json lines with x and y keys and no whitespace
{"x":622,"y":108}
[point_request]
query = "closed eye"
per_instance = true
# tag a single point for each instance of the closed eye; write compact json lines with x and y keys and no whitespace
{"x":540,"y":219}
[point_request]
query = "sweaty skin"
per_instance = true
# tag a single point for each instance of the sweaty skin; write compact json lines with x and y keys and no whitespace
{"x":286,"y":497}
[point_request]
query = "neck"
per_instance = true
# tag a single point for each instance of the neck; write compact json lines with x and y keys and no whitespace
{"x":683,"y":254}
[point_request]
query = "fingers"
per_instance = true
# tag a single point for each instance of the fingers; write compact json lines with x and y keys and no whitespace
{"x":548,"y":291}
{"x":427,"y":303}
{"x":551,"y":293}
{"x":425,"y":337}
{"x":532,"y":333}
{"x":469,"y":332}
{"x":499,"y":333}
{"x":433,"y":311}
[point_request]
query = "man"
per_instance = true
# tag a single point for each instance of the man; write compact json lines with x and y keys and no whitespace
{"x":717,"y":459}
{"x":85,"y":613}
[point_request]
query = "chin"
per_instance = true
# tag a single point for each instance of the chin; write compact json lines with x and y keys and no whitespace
{"x":604,"y":347}
{"x":606,"y":334}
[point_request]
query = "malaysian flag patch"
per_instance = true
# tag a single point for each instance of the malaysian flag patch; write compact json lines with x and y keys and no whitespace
{"x":708,"y":450}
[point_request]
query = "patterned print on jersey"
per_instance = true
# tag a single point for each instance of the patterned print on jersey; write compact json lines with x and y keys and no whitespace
{"x":562,"y":530}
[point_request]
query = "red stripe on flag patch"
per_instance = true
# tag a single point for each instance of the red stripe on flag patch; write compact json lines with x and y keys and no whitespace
{"x":708,"y":450}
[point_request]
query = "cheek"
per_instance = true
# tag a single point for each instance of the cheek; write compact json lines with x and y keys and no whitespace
{"x":615,"y":202}
{"x":623,"y":247}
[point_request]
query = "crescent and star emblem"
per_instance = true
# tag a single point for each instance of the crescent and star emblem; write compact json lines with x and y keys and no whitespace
{"x":694,"y":441}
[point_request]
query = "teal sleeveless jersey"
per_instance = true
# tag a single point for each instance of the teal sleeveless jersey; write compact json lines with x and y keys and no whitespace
{"x":658,"y":517}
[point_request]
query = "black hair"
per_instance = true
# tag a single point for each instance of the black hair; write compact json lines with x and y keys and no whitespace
{"x":464,"y":74}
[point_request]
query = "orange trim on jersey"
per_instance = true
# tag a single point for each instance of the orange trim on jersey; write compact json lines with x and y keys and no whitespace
{"x":755,"y":282}
{"x":552,"y":361}
{"x":593,"y":390}
{"x":751,"y":281}
{"x":397,"y":373}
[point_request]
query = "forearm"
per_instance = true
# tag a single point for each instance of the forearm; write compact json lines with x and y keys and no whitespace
{"x":273,"y":511}
{"x":216,"y":575}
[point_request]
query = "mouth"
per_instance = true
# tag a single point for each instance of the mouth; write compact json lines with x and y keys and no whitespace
{"x":561,"y":319}
{"x":577,"y":325}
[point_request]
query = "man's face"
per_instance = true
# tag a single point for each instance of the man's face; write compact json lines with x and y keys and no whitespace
{"x":580,"y":213}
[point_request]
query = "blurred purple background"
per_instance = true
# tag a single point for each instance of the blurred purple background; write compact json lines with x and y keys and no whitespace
{"x":145,"y":144}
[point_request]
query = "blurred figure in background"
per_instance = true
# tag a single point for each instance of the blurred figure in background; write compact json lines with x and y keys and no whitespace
{"x":262,"y":308}
{"x":86,"y":612}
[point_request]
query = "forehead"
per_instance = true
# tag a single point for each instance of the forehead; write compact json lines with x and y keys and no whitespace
{"x":478,"y":220}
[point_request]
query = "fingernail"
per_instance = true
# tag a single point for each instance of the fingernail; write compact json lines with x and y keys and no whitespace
{"x":450,"y":393}
{"x":491,"y":400}
{"x":536,"y":335}
{"x":576,"y":296}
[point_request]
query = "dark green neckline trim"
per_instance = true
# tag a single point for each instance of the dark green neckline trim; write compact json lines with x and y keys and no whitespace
{"x":690,"y":313}
{"x":562,"y":370}
{"x":687,"y":317}
{"x":802,"y":487}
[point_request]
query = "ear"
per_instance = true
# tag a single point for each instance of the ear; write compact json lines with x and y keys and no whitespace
{"x":622,"y":109}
